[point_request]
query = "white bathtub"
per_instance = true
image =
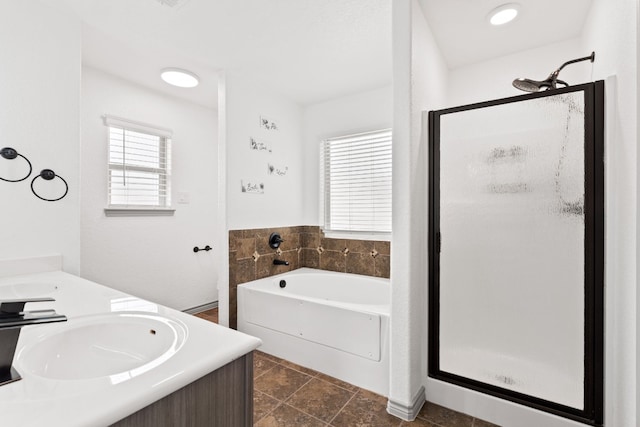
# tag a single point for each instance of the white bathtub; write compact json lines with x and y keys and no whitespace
{"x":335,"y":323}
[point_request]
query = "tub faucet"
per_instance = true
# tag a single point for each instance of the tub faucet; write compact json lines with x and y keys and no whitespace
{"x":12,"y":319}
{"x":280,"y":262}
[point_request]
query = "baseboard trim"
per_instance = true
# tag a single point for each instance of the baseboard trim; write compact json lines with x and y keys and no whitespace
{"x":201,"y":308}
{"x":408,"y":413}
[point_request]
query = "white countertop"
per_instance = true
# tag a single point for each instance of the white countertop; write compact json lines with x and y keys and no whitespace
{"x":39,"y":401}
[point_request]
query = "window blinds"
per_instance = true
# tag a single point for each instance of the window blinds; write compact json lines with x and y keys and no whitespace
{"x":139,"y":165}
{"x":356,"y":182}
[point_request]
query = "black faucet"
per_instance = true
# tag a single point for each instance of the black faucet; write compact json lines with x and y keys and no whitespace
{"x":12,"y":319}
{"x":280,"y":262}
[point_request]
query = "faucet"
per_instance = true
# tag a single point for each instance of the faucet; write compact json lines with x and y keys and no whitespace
{"x":280,"y":262}
{"x":12,"y":319}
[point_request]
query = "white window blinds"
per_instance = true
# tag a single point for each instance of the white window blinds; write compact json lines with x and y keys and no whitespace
{"x":139,"y":165}
{"x":356,"y":182}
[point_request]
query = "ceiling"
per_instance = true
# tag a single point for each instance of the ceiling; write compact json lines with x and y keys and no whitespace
{"x":465,"y":36}
{"x":307,"y":50}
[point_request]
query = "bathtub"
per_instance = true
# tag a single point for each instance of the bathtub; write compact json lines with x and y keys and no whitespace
{"x":335,"y":323}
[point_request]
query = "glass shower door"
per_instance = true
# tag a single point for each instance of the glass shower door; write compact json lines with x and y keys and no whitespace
{"x":513,"y":267}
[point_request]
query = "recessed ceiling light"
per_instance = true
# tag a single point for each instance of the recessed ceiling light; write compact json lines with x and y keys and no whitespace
{"x":180,"y":78}
{"x":503,"y":14}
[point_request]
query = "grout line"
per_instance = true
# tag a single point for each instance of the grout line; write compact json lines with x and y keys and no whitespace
{"x":255,"y":378}
{"x":343,"y":406}
{"x":307,"y":382}
{"x":343,"y":388}
{"x":280,"y":403}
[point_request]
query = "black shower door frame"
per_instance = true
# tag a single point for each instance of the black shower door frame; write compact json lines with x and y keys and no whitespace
{"x":593,"y":260}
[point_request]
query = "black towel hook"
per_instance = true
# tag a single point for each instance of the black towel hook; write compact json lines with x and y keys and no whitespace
{"x":206,"y":248}
{"x":48,"y":175}
{"x":10,"y":154}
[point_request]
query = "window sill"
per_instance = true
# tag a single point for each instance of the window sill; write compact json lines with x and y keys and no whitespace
{"x":332,"y":234}
{"x":139,"y":211}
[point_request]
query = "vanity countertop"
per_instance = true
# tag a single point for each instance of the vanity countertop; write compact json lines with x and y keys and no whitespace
{"x":38,"y":400}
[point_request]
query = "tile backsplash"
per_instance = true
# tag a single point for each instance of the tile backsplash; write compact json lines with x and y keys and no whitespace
{"x":251,"y":257}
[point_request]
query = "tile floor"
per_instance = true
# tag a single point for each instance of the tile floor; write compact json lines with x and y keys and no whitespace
{"x":289,"y":395}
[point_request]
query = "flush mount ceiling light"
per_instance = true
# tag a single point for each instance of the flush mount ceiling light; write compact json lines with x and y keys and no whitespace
{"x":503,"y":14}
{"x":179,"y":77}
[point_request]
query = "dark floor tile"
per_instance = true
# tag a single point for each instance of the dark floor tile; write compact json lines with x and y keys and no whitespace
{"x":444,"y":416}
{"x":419,"y":422}
{"x":365,"y":409}
{"x":261,"y":365}
{"x":268,"y":356}
{"x":298,"y":368}
{"x":339,"y":383}
{"x":320,"y":399}
{"x":280,"y":382}
{"x":482,"y":423}
{"x":262,"y":405}
{"x":286,"y":416}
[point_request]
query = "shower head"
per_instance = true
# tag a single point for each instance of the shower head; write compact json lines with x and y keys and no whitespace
{"x":527,"y":85}
{"x":552,"y":81}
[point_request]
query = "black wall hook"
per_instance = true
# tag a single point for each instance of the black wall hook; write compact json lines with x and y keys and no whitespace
{"x":10,"y":154}
{"x":48,"y":175}
{"x":206,"y":248}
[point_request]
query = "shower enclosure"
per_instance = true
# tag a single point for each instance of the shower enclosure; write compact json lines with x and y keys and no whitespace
{"x":516,"y":243}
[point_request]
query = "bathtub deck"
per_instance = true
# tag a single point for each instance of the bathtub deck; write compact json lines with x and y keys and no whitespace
{"x":286,"y":394}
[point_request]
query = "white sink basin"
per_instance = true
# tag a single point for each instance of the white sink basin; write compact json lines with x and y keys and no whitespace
{"x":27,"y":290}
{"x":116,"y":345}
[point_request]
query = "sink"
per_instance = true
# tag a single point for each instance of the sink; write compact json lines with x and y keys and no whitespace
{"x":116,"y":345}
{"x":27,"y":290}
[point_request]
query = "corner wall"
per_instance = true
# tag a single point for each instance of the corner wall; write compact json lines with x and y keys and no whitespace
{"x":611,"y":30}
{"x":420,"y":81}
{"x":40,"y":118}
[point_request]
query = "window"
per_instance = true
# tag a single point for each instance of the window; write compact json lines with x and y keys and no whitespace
{"x":356,"y":183}
{"x":139,"y":166}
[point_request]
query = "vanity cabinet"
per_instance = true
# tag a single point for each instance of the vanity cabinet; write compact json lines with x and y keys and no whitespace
{"x":222,"y":398}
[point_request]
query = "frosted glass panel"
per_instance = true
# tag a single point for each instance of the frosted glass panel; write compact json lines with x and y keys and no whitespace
{"x":512,"y":257}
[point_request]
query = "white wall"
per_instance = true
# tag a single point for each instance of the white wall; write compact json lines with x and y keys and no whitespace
{"x":420,"y":78}
{"x":151,"y":257}
{"x":39,"y":117}
{"x":281,"y":204}
{"x":610,"y":31}
{"x":362,"y":112}
{"x":492,"y":79}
